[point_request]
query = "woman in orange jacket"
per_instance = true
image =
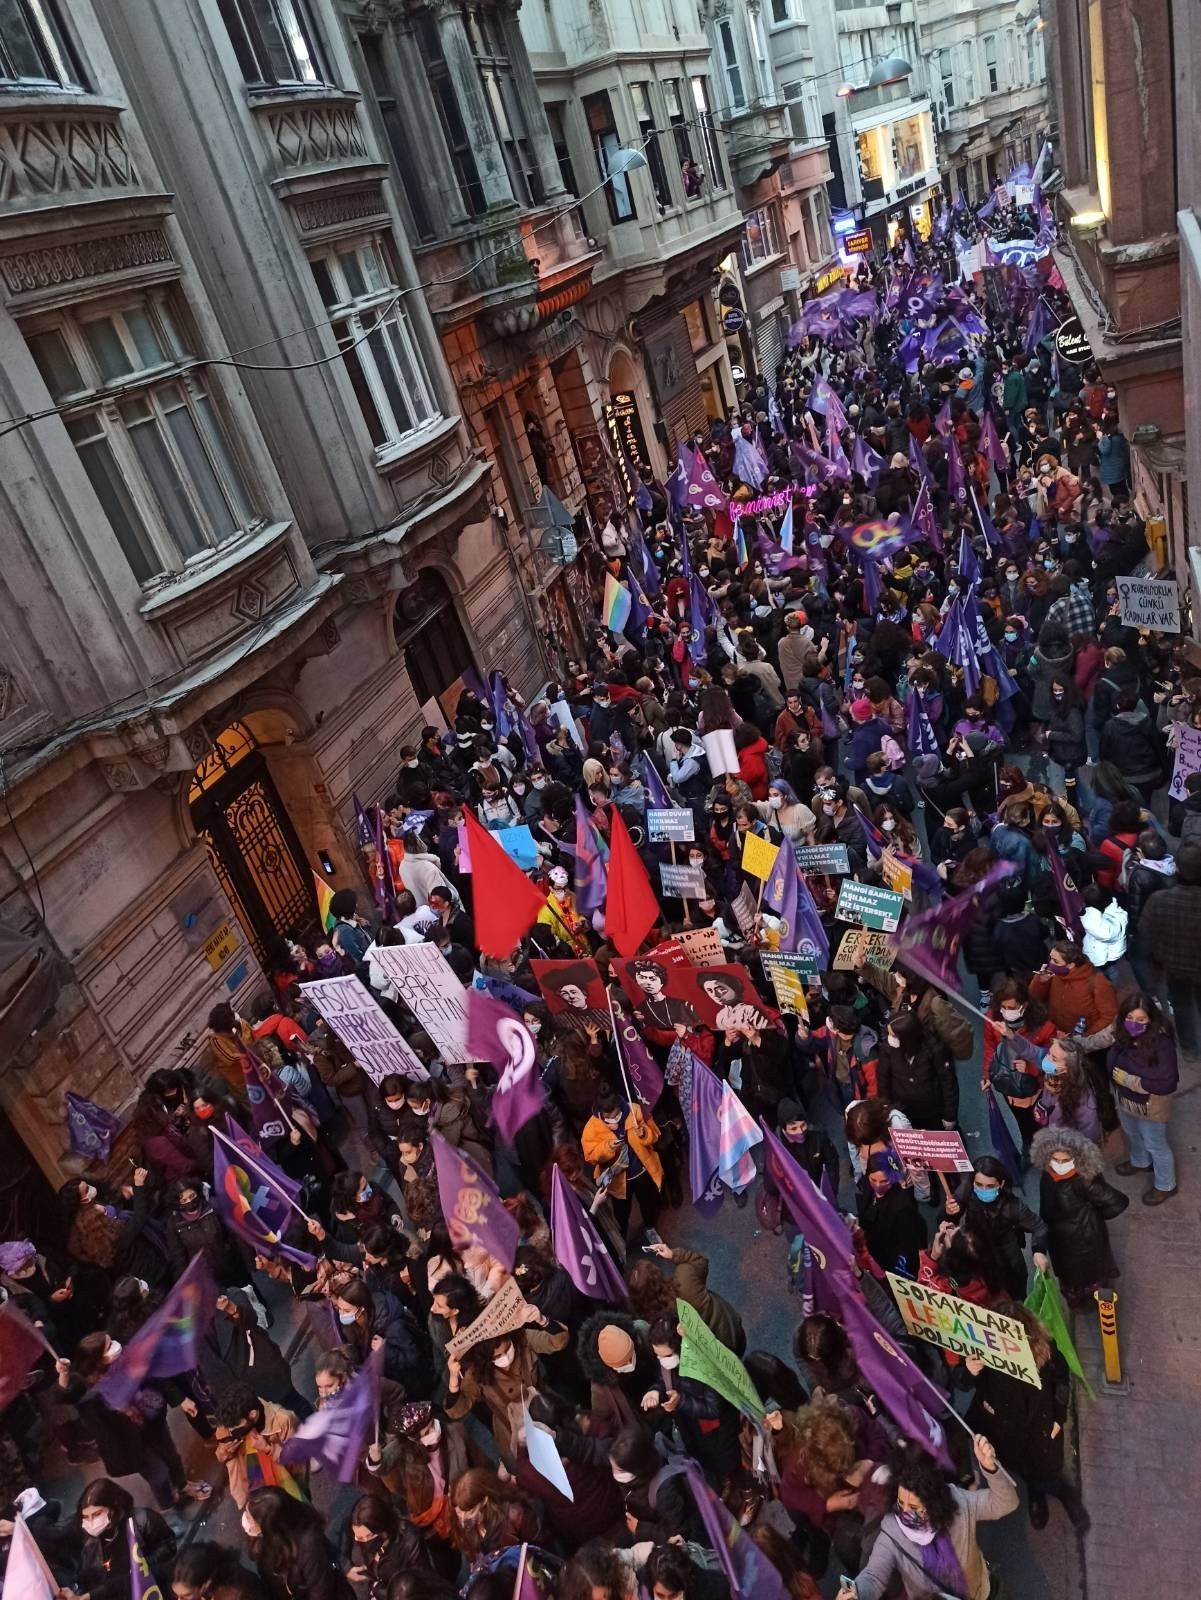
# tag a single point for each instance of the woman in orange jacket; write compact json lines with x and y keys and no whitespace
{"x":620,"y":1144}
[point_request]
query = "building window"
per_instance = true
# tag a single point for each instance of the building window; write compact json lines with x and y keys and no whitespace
{"x":969,"y":71}
{"x":704,"y":108}
{"x":495,"y":68}
{"x":371,"y":325}
{"x":605,"y":143}
{"x":729,"y":58}
{"x":34,"y":47}
{"x":759,"y":239}
{"x":909,"y":147}
{"x":946,"y":71}
{"x":649,"y":144}
{"x":781,"y":11}
{"x":393,"y":120}
{"x":274,"y":40}
{"x":454,"y":134}
{"x":821,"y":217}
{"x":146,"y":429}
{"x":990,"y":61}
{"x":813,"y":253}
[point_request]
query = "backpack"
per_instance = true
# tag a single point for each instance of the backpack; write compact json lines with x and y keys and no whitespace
{"x":892,"y":753}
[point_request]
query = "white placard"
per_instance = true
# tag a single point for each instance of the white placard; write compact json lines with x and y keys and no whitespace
{"x":364,"y":1029}
{"x":424,"y":981}
{"x":1149,"y":603}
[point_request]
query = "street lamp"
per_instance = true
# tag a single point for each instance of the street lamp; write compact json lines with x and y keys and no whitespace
{"x":625,"y":159}
{"x":891,"y":70}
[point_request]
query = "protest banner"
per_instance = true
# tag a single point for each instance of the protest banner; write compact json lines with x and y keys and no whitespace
{"x":687,"y":883}
{"x":704,"y":1358}
{"x":787,"y":974}
{"x":504,"y":1313}
{"x":364,"y":1029}
{"x":425,"y":983}
{"x":1149,"y":603}
{"x":758,"y":855}
{"x":931,"y":1149}
{"x":703,"y":946}
{"x":518,"y":844}
{"x":675,"y":826}
{"x":973,"y":1332}
{"x":832,"y":859}
{"x":897,"y":874}
{"x":870,"y":907}
{"x":861,"y":945}
{"x":1188,"y":758}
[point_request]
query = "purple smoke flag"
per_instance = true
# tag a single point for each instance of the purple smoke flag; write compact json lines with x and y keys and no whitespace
{"x":820,"y":1222}
{"x":1001,"y":1139}
{"x":820,"y":396}
{"x":338,"y":1432}
{"x":866,"y":462}
{"x":577,"y":1245}
{"x":1066,"y":892}
{"x":496,"y":1034}
{"x":901,"y":1388}
{"x":529,"y":739}
{"x":591,"y":886}
{"x":474,"y":1211}
{"x":253,"y":1206}
{"x":168,"y":1342}
{"x":90,"y":1128}
{"x":646,"y":1079}
{"x":747,"y":1570}
{"x":27,"y":1576}
{"x":919,"y":732}
{"x":929,"y":943}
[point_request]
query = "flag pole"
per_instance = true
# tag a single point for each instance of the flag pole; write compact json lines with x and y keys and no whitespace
{"x":617,"y":1046}
{"x":520,"y":1572}
{"x":971,"y":1433}
{"x":250,"y":1161}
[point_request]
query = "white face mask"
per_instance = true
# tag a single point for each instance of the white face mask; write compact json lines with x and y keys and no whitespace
{"x":94,"y":1523}
{"x":629,"y":1367}
{"x":669,"y":1363}
{"x":621,"y":1477}
{"x":775,"y":801}
{"x":535,"y":1028}
{"x":432,"y":1435}
{"x":888,"y":825}
{"x":347,"y":1317}
{"x":395,"y":1105}
{"x":696,"y":861}
{"x":507,"y":1359}
{"x":1012,"y":1013}
{"x":1063,"y":1168}
{"x":538,"y":783}
{"x":113,"y":1351}
{"x":829,"y":807}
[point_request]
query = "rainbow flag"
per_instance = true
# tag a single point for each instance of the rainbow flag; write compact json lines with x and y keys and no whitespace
{"x":263,"y":1471}
{"x":740,"y":543}
{"x":617,"y":604}
{"x":325,"y":896}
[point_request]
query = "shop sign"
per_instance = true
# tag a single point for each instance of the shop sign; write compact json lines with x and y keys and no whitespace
{"x":219,"y":946}
{"x":828,"y":280}
{"x":733,"y":320}
{"x":858,"y":243}
{"x":1072,"y":344}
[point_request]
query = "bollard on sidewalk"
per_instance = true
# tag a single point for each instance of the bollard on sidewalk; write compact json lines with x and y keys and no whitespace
{"x":1107,"y":1312}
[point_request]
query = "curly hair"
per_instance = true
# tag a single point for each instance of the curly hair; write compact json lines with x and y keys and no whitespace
{"x":825,"y":1439}
{"x":650,"y":1294}
{"x":922,"y":1478}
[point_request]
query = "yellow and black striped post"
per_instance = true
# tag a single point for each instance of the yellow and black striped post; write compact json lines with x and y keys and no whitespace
{"x":1107,"y":1311}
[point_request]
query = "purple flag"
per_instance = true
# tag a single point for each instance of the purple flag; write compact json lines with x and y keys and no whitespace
{"x":987,"y":526}
{"x":924,"y":519}
{"x":866,"y":462}
{"x":812,"y":933}
{"x":703,"y":490}
{"x":647,"y":571}
{"x":253,"y":1206}
{"x":966,"y":563}
{"x":381,"y":876}
{"x":496,"y":1034}
{"x":747,"y":1570}
{"x":590,"y":883}
{"x":167,"y":1342}
{"x":337,"y":1432}
{"x":677,"y":482}
{"x":142,"y":1583}
{"x":238,"y":1136}
{"x":702,"y":1116}
{"x":474,"y":1211}
{"x":943,"y":420}
{"x":1066,"y":892}
{"x":917,"y":460}
{"x":646,"y":1080}
{"x":1039,"y":326}
{"x":90,"y":1128}
{"x":364,"y":832}
{"x":902,"y":1389}
{"x":824,"y":1230}
{"x":876,"y":842}
{"x":955,"y":643}
{"x":1001,"y":1139}
{"x":577,"y":1245}
{"x":657,"y":797}
{"x":990,"y":442}
{"x":956,"y":476}
{"x":271,"y":1103}
{"x":928,"y":944}
{"x":746,"y":463}
{"x":919,"y":734}
{"x":798,"y":933}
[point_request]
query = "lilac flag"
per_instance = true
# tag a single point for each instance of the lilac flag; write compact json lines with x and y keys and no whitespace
{"x":909,"y":352}
{"x":591,"y":884}
{"x":987,"y":526}
{"x":966,"y":564}
{"x":1066,"y":892}
{"x":498,"y":694}
{"x":90,"y":1128}
{"x":577,"y":1246}
{"x":647,"y":571}
{"x":990,"y":442}
{"x":677,"y":482}
{"x":702,"y":1115}
{"x":866,"y":462}
{"x":657,"y":797}
{"x":142,"y":1583}
{"x":337,"y":1432}
{"x":917,"y":460}
{"x":704,"y":492}
{"x":496,"y":1034}
{"x":928,"y":944}
{"x":812,"y":933}
{"x":954,"y":644}
{"x":919,"y":734}
{"x":864,"y":303}
{"x":253,"y":1205}
{"x":820,"y":1222}
{"x":956,"y":476}
{"x":1001,"y":1139}
{"x":876,"y":842}
{"x":924,"y":519}
{"x":646,"y":1079}
{"x":1039,"y":326}
{"x":746,"y":462}
{"x":529,"y":739}
{"x":168,"y":1341}
{"x":364,"y":830}
{"x":501,"y":989}
{"x":474,"y":1211}
{"x":745,"y":1567}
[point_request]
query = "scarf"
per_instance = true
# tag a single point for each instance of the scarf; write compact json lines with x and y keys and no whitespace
{"x":938,"y":1557}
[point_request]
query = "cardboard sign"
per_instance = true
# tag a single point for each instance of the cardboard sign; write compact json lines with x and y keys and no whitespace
{"x":703,"y":946}
{"x":832,"y":859}
{"x":1149,"y":603}
{"x":685,"y":883}
{"x":425,"y":983}
{"x":758,"y":855}
{"x":967,"y":1330}
{"x":869,"y":906}
{"x":660,"y":989}
{"x":787,"y":974}
{"x":931,"y":1149}
{"x":676,"y":825}
{"x":1188,"y":758}
{"x":544,"y":1455}
{"x":364,"y":1029}
{"x":505,"y":1312}
{"x":897,"y":874}
{"x":860,"y":945}
{"x":743,"y":907}
{"x":726,"y":998}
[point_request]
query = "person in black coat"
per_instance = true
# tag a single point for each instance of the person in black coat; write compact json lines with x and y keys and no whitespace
{"x":204,"y":1570}
{"x":373,"y":1318}
{"x":655,"y":1507}
{"x":915,"y":1073}
{"x":993,"y":1212}
{"x":808,"y":1145}
{"x":102,"y":1572}
{"x":236,"y":1349}
{"x":192,"y":1226}
{"x":1026,"y":1423}
{"x":893,"y":1226}
{"x":709,"y":1427}
{"x":288,"y":1546}
{"x":377,"y":1546}
{"x":1075,"y":1203}
{"x":670,"y":1570}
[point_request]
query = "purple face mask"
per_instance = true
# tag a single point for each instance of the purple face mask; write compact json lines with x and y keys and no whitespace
{"x":1133,"y":1028}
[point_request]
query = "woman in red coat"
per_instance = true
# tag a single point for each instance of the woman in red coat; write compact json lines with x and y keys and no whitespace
{"x":752,"y":759}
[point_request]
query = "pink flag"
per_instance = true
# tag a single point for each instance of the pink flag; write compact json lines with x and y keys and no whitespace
{"x":27,"y":1577}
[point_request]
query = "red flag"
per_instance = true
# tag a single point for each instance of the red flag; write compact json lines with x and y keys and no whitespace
{"x":20,"y":1346}
{"x":504,"y":903}
{"x":631,"y":909}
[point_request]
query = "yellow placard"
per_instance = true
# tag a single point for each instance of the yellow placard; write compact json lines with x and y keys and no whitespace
{"x":789,"y":990}
{"x":758,"y":855}
{"x":897,"y":874}
{"x":969,"y":1331}
{"x":219,"y":946}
